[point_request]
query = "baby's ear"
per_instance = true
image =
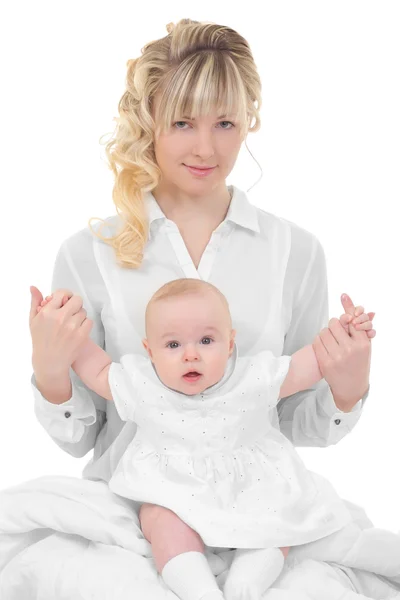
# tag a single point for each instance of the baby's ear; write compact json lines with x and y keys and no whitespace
{"x":147,"y":348}
{"x":232,"y":341}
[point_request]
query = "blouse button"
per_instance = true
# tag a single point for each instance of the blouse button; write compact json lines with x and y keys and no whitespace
{"x":337,"y":421}
{"x":67,"y":414}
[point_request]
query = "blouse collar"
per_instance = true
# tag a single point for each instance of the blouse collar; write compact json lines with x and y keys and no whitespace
{"x":241,"y":211}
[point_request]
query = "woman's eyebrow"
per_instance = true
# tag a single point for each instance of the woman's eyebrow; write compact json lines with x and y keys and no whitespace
{"x":193,"y":119}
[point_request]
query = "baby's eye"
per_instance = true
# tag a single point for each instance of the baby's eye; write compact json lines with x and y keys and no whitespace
{"x":172,"y":345}
{"x":206,"y":340}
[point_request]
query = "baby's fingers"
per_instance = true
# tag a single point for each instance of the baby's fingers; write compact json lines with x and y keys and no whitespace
{"x":46,"y":300}
{"x":365,"y":326}
{"x":358,"y":311}
{"x":361,"y":319}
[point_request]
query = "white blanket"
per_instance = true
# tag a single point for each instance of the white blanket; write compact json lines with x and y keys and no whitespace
{"x":63,"y":538}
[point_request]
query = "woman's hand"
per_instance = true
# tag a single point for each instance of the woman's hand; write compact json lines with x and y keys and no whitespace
{"x":58,"y":331}
{"x":345,"y":358}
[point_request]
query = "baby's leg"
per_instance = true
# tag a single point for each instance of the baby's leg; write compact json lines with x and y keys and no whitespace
{"x":167,"y":534}
{"x":178,"y":552}
{"x":253,"y":571}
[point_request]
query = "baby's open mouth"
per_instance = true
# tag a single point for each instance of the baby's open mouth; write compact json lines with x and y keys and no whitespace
{"x":192,"y":376}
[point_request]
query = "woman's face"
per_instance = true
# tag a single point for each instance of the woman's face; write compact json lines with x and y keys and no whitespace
{"x":211,"y":141}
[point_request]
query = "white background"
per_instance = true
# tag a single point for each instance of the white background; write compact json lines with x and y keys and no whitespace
{"x":328,"y":147}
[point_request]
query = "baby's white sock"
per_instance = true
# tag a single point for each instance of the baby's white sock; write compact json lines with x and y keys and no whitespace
{"x":252,"y":572}
{"x":189,"y":576}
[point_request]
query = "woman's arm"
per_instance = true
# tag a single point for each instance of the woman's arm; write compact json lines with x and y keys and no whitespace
{"x":72,"y":414}
{"x":311,"y":417}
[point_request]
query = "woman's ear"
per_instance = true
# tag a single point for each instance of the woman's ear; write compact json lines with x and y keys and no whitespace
{"x":147,"y":348}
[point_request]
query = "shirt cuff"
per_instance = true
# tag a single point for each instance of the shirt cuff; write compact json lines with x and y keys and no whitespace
{"x":341,"y":422}
{"x":65,"y":421}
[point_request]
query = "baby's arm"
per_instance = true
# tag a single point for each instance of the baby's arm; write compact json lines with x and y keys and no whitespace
{"x":303,"y":372}
{"x":92,"y":366}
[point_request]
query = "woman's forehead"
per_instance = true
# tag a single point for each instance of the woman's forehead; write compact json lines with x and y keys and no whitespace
{"x":199,"y":110}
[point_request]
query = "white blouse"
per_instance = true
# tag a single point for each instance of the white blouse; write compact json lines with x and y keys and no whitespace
{"x":273,"y":274}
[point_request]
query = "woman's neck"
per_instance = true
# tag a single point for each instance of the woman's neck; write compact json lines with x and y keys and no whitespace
{"x":185,"y":210}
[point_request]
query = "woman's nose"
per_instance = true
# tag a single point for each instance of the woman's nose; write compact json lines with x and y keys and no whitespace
{"x":203,"y":146}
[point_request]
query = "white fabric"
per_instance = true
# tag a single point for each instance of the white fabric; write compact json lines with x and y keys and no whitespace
{"x":273,"y":274}
{"x":190,"y":577}
{"x":252,"y":572}
{"x":72,"y":539}
{"x":216,"y":460}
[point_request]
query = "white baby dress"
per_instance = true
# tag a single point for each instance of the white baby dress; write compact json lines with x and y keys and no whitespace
{"x":216,"y":460}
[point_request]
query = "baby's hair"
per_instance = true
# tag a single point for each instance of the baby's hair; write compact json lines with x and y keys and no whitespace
{"x":186,"y":286}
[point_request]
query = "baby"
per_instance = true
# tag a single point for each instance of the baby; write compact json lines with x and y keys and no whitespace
{"x":206,"y":465}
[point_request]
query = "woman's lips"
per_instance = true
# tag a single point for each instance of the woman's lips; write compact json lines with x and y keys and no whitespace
{"x":200,"y":172}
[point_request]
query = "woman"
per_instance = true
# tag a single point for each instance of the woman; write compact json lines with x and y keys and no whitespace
{"x":189,"y":103}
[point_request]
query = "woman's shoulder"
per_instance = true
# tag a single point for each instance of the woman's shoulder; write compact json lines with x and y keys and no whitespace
{"x":300,"y":237}
{"x":303,"y":249}
{"x":81,"y":242}
{"x":304,"y":246}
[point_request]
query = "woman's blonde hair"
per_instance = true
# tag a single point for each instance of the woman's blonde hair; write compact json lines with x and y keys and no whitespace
{"x":195,"y":68}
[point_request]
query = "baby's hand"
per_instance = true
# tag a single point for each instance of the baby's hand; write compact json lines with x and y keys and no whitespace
{"x":47,"y":300}
{"x":361,"y":321}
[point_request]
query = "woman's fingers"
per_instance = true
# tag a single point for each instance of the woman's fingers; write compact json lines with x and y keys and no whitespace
{"x":347,"y":304}
{"x":77,"y":320}
{"x":72,"y":306}
{"x":338,"y":335}
{"x":345,"y":319}
{"x":36,"y":299}
{"x":86,"y":327}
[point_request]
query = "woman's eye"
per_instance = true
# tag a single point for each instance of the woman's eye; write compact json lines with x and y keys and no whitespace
{"x":184,"y":123}
{"x":206,"y":340}
{"x":178,"y":122}
{"x":172,"y":345}
{"x":230,"y":123}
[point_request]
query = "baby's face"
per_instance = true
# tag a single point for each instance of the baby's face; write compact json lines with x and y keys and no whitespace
{"x":189,"y":340}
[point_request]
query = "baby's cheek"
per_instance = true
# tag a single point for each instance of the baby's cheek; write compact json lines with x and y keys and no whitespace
{"x":217,"y":369}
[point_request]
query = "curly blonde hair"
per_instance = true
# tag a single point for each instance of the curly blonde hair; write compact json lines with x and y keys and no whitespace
{"x":198,"y":66}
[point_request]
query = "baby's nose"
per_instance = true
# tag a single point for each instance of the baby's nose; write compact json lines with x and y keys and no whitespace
{"x":191,"y":353}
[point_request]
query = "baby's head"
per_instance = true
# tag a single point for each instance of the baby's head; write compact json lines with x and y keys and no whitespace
{"x":189,"y":335}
